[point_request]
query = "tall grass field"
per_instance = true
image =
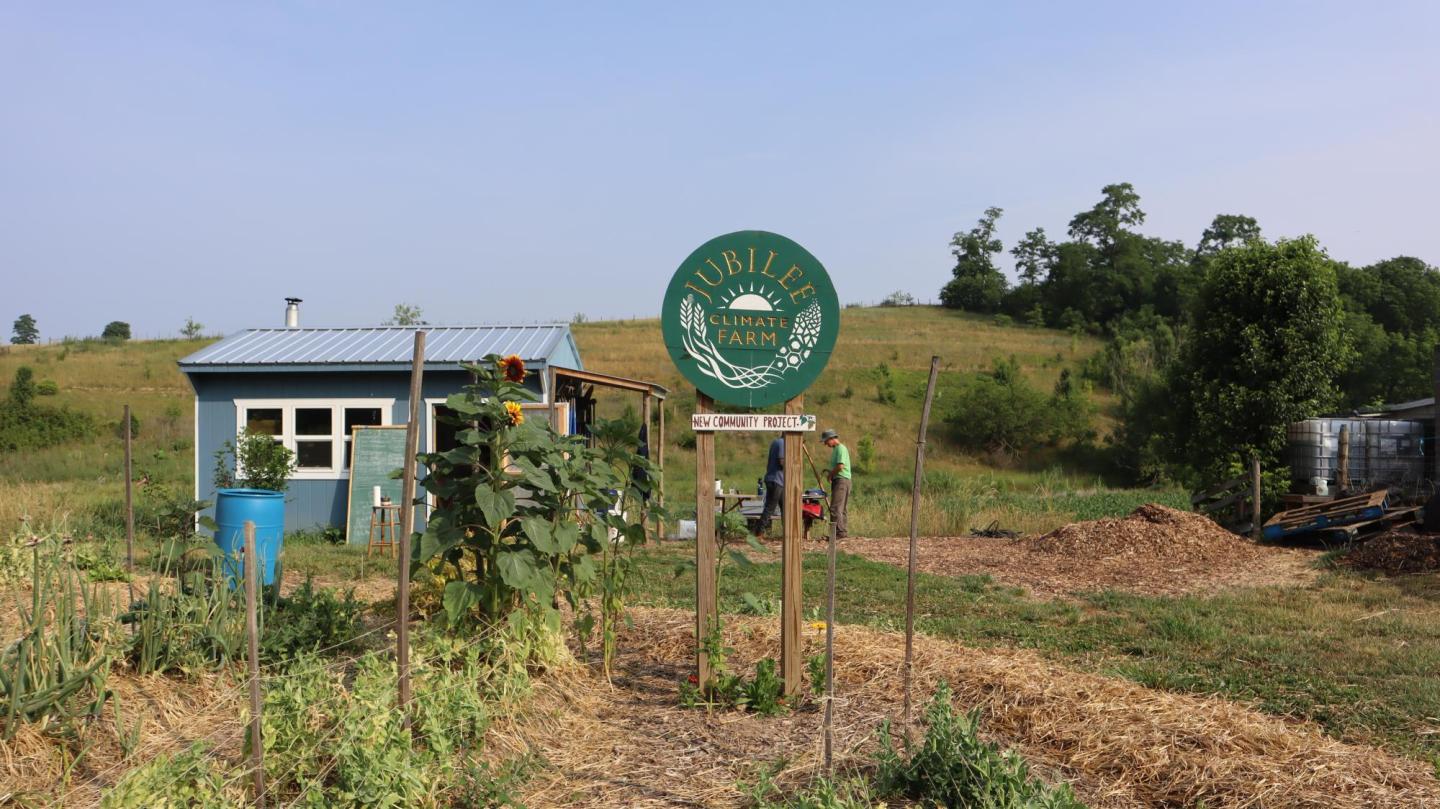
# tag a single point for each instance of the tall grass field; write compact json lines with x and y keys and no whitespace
{"x":871,"y":392}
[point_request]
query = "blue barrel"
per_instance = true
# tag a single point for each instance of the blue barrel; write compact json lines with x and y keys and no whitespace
{"x":233,"y":507}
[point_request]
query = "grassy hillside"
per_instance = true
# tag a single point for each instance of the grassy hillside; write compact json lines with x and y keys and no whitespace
{"x":84,"y":480}
{"x":1032,"y":494}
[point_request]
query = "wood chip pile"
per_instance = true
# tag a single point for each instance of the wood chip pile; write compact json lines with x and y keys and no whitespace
{"x":1396,"y":553}
{"x":1151,"y":530}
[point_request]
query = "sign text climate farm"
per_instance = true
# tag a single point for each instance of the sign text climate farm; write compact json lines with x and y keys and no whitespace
{"x":786,"y":423}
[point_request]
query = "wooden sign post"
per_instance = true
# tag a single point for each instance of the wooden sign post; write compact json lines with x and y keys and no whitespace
{"x":790,"y":570}
{"x":707,"y":607}
{"x":751,"y":319}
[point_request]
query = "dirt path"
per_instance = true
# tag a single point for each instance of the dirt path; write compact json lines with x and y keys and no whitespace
{"x":1118,"y":743}
{"x":1016,"y":563}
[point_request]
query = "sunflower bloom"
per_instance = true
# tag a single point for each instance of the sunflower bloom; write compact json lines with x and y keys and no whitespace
{"x":512,"y":410}
{"x":514,"y":368}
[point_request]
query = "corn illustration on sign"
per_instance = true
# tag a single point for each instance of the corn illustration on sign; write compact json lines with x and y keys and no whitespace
{"x":750,"y":318}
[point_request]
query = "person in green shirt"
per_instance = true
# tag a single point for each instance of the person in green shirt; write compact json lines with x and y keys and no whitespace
{"x":839,"y":474}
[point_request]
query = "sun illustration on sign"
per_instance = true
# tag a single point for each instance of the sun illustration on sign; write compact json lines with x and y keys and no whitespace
{"x":755,"y":299}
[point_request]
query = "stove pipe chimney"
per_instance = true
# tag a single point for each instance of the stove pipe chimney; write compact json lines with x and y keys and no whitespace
{"x":292,"y":313}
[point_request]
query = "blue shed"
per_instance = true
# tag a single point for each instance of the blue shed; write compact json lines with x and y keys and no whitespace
{"x":309,"y":387}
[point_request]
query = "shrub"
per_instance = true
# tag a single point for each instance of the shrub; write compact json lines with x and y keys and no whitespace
{"x":47,"y":387}
{"x":261,"y":461}
{"x":25,"y":425}
{"x":898,"y":298}
{"x":953,"y":767}
{"x":116,"y":331}
{"x":309,"y":620}
{"x":865,"y":455}
{"x":1001,"y":412}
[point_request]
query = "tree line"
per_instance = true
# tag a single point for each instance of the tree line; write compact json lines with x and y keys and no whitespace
{"x":1211,"y":350}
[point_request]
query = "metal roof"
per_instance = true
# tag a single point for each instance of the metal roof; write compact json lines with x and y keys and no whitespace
{"x":369,"y":347}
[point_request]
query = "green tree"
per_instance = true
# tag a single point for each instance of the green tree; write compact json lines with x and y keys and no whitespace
{"x":1111,"y":216}
{"x":978,"y":285}
{"x":23,"y":388}
{"x":1264,"y":348}
{"x":1034,"y":255}
{"x":117,"y":330}
{"x":406,"y":315}
{"x":1226,"y":230}
{"x":192,"y":329}
{"x":24,"y":332}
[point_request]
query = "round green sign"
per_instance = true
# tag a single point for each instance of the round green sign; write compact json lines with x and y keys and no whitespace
{"x":750,"y":318}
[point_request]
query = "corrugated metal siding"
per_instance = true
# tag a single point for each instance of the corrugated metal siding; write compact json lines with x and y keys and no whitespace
{"x":381,"y":345}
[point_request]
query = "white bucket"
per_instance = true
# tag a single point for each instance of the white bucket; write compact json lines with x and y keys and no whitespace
{"x":1322,"y":486}
{"x":685,"y":529}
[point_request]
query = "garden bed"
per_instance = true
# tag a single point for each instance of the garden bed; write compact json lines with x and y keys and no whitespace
{"x":1119,"y":744}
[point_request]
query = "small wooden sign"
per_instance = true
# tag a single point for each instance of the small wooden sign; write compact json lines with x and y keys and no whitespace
{"x":753,"y":422}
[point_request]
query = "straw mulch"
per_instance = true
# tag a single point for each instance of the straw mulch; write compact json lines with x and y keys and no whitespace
{"x":173,"y":713}
{"x":1155,"y":551}
{"x":1396,"y":553}
{"x":1118,"y":743}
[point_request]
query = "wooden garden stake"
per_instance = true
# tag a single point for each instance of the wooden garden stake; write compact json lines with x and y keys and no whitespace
{"x":407,"y":525}
{"x":914,"y":538}
{"x":1255,"y":529}
{"x":790,"y":570}
{"x":830,"y":655}
{"x":645,"y":420}
{"x":129,"y":513}
{"x":252,"y":631}
{"x":707,"y":611}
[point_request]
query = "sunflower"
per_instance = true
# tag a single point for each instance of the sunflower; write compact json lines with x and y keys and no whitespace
{"x":513,"y":411}
{"x":514,"y":368}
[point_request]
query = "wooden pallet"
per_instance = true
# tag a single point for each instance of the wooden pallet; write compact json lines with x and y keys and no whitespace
{"x":1321,"y":516}
{"x":1398,"y":518}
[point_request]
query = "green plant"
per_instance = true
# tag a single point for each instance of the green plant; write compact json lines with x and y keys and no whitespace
{"x":253,"y":461}
{"x":187,"y":622}
{"x":25,"y":425}
{"x":503,"y":555}
{"x":815,"y":667}
{"x":764,"y":693}
{"x":952,"y":766}
{"x":182,"y":780}
{"x":116,"y":331}
{"x":64,"y":647}
{"x":494,"y":786}
{"x":885,"y":388}
{"x":308,"y":620}
{"x":170,"y":513}
{"x":100,"y":563}
{"x":865,"y":454}
{"x":134,"y":427}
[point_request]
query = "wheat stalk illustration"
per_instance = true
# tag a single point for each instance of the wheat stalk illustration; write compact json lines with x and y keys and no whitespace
{"x":709,"y":360}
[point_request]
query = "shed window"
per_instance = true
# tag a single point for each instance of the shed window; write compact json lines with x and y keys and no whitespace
{"x":316,"y":430}
{"x":265,"y":420}
{"x":358,"y":417}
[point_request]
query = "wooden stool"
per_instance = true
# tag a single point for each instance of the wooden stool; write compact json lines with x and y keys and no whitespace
{"x":384,"y":523}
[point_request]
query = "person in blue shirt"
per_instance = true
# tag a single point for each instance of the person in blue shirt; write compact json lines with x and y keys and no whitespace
{"x":774,"y":484}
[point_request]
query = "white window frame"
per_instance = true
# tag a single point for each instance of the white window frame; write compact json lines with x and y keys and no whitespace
{"x":337,"y":437}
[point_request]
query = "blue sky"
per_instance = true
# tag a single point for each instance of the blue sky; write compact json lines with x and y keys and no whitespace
{"x":524,"y":162}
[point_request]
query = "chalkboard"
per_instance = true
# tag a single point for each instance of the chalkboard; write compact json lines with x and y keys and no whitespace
{"x":375,"y":453}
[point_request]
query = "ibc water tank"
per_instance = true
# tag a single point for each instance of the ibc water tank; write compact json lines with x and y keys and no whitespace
{"x":233,"y":507}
